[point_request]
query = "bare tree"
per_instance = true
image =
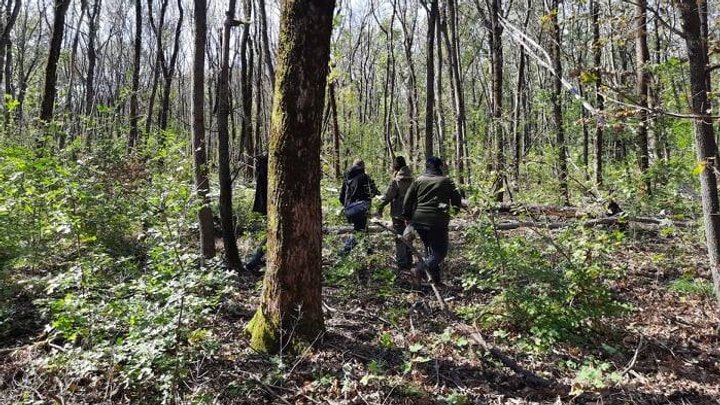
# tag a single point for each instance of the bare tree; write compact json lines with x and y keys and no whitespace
{"x":50,"y":90}
{"x":207,"y":239}
{"x":232,"y":255}
{"x":137,"y":53}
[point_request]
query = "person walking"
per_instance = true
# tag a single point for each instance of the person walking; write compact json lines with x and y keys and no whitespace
{"x":257,"y":260}
{"x":395,"y":196}
{"x":427,"y":207}
{"x":356,"y":194}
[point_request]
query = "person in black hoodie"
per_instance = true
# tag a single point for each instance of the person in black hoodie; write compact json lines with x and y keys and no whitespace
{"x":260,"y":206}
{"x":357,"y":191}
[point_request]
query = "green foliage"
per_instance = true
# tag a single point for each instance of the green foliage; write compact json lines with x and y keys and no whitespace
{"x":549,"y":291}
{"x":594,"y":376}
{"x":125,"y":294}
{"x":688,"y":286}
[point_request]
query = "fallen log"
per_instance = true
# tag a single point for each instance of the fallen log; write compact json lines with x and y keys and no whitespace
{"x":459,"y":225}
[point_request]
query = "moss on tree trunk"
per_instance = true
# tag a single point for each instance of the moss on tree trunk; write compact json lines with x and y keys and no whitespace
{"x":290,"y":313}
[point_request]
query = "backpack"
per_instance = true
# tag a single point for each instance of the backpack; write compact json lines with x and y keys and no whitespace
{"x":355,"y":208}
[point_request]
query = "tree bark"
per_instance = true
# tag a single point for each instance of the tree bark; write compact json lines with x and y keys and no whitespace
{"x":246,"y":73}
{"x":336,"y":132}
{"x":207,"y":239}
{"x":600,"y":100}
{"x":93,"y":16}
{"x":556,"y":98}
{"x":642,"y":56}
{"x":430,"y":78}
{"x":50,"y":88}
{"x":266,"y":43}
{"x":137,"y":53}
{"x":291,"y":307}
{"x":168,"y":71}
{"x":5,"y":38}
{"x":232,"y":256}
{"x":707,"y":152}
{"x":459,"y":97}
{"x":496,"y":56}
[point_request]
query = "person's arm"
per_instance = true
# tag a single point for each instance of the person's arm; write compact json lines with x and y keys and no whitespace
{"x":455,"y":196}
{"x":410,"y":202}
{"x":373,"y":189}
{"x":343,"y":190}
{"x":390,"y":194}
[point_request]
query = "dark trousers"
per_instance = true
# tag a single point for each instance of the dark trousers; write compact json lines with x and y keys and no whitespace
{"x":258,"y":258}
{"x":403,"y":255}
{"x":359,"y":225}
{"x":436,"y":244}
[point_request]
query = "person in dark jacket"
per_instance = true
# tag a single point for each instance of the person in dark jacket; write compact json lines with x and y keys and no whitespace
{"x":260,"y":201}
{"x":395,"y":196}
{"x":356,"y":194}
{"x":427,"y":206}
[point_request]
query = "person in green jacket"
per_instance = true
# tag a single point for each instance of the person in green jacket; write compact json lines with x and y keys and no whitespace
{"x":427,"y":206}
{"x":395,"y":196}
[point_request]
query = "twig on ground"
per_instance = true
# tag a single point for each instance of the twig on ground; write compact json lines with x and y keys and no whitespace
{"x":633,"y":360}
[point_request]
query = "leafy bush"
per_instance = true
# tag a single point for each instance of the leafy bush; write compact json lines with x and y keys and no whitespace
{"x":550,"y":289}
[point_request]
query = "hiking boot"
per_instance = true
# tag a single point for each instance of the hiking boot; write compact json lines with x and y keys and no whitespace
{"x":419,"y":274}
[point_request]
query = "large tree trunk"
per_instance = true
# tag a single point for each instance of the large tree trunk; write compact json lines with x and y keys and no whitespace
{"x":642,"y":56}
{"x":291,"y":306}
{"x":137,"y":51}
{"x":232,"y":255}
{"x":430,"y":78}
{"x":207,"y":239}
{"x":50,"y":89}
{"x":706,"y":147}
{"x":556,"y":98}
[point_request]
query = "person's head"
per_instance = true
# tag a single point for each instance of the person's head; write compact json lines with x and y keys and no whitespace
{"x":359,"y":163}
{"x":399,"y":163}
{"x":434,"y":163}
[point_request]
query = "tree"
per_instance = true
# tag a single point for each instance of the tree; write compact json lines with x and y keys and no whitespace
{"x":137,"y":51}
{"x":432,"y":11}
{"x":642,"y":56}
{"x":556,"y":97}
{"x":705,"y":145}
{"x":93,"y":16}
{"x":207,"y":239}
{"x":291,"y":307}
{"x":50,"y":91}
{"x":223,"y":113}
{"x":600,"y":100}
{"x":5,"y":36}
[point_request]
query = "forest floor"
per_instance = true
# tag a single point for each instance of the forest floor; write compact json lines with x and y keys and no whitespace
{"x":393,"y":344}
{"x":390,"y":343}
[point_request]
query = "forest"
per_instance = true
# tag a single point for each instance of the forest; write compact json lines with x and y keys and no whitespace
{"x":359,"y":202}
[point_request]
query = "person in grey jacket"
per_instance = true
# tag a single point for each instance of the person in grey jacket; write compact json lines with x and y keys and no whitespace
{"x":395,"y":196}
